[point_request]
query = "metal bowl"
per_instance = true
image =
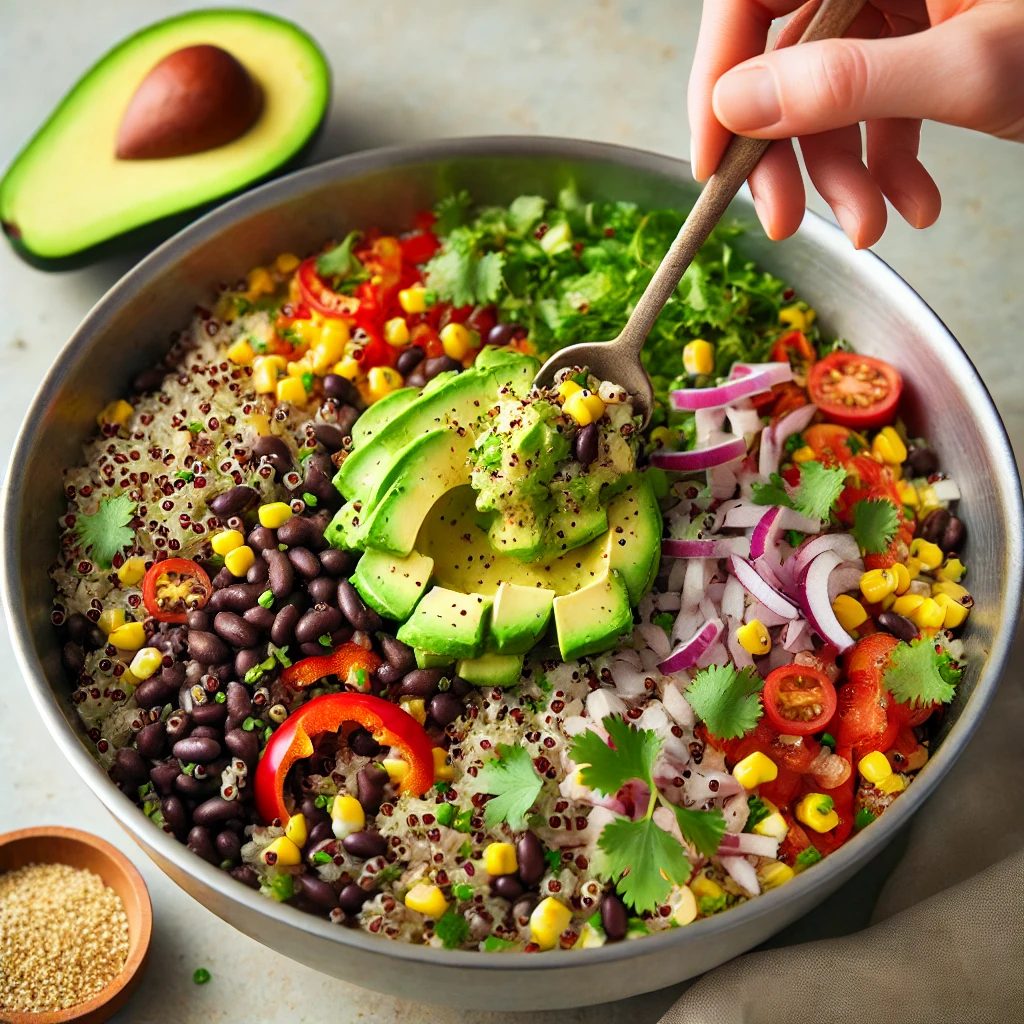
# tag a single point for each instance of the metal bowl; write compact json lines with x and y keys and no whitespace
{"x":857,"y":297}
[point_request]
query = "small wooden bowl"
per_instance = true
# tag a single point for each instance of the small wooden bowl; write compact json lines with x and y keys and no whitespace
{"x":56,"y":845}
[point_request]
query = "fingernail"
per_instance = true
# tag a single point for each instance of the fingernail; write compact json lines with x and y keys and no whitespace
{"x":761,"y":208}
{"x":747,"y":99}
{"x":849,"y":222}
{"x":694,"y":165}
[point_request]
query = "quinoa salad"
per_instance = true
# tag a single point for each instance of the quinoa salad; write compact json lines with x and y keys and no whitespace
{"x":371,"y":624}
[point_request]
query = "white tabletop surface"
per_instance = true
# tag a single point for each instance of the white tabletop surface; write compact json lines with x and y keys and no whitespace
{"x":613,"y":70}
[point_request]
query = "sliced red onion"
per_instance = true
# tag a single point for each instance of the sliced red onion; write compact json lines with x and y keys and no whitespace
{"x":701,"y":458}
{"x":844,"y":578}
{"x":722,"y":480}
{"x":842,"y":544}
{"x":715,"y":655}
{"x":732,"y":599}
{"x":743,"y":515}
{"x":813,"y":589}
{"x":655,"y":638}
{"x":698,"y":576}
{"x":742,"y":873}
{"x":756,"y":610}
{"x":741,"y":657}
{"x":706,"y":785}
{"x":744,"y":421}
{"x":708,"y":422}
{"x":747,"y":843}
{"x":758,"y":378}
{"x":762,"y":540}
{"x":796,"y":636}
{"x":718,"y":548}
{"x":688,"y":653}
{"x":722,"y":511}
{"x":760,"y":589}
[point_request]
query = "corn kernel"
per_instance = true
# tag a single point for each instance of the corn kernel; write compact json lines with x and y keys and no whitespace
{"x":307,"y":331}
{"x":110,"y":619}
{"x":849,"y":611}
{"x":889,"y":447}
{"x":774,"y":826}
{"x":300,"y":367}
{"x":415,"y":706}
{"x":929,"y":555}
{"x":584,"y":407}
{"x":264,"y":377}
{"x":686,"y":908}
{"x":874,"y":767}
{"x":116,"y":413}
{"x":702,"y":886}
{"x":413,"y":299}
{"x":817,"y":811}
{"x":795,"y":317}
{"x":226,"y":540}
{"x":240,"y":561}
{"x":260,"y":282}
{"x":443,"y":771}
{"x":907,"y":493}
{"x":754,"y":637}
{"x":291,"y":389}
{"x":500,"y":859}
{"x":457,"y":341}
{"x":804,"y":454}
{"x":754,"y":769}
{"x":241,"y":353}
{"x":907,"y":604}
{"x":876,"y":584}
{"x":381,"y":381}
{"x":146,"y":661}
{"x":348,"y":368}
{"x":396,"y":768}
{"x":129,"y":637}
{"x":954,"y":614}
{"x":286,"y":263}
{"x":568,"y":387}
{"x":274,"y":514}
{"x":296,"y":829}
{"x":774,"y":875}
{"x":913,"y":567}
{"x":888,"y":602}
{"x":278,"y":362}
{"x":347,"y":816}
{"x":929,"y":614}
{"x":547,"y":922}
{"x":953,"y":590}
{"x":664,"y":437}
{"x":699,"y":357}
{"x":281,"y":852}
{"x":331,"y":346}
{"x":396,"y":332}
{"x":895,"y":783}
{"x":132,"y":571}
{"x":953,"y":570}
{"x":427,"y":900}
{"x":903,"y":580}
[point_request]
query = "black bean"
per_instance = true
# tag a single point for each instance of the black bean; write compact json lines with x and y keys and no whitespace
{"x":352,"y":898}
{"x":154,"y":693}
{"x":319,"y":832}
{"x":246,"y":875}
{"x":899,"y":625}
{"x":234,"y":501}
{"x":73,"y":658}
{"x":163,"y":775}
{"x":131,"y":766}
{"x":398,"y":654}
{"x":224,"y":673}
{"x":222,"y":579}
{"x":209,"y":714}
{"x":323,"y":619}
{"x":229,"y":846}
{"x":342,"y":636}
{"x":258,"y":572}
{"x":954,"y":536}
{"x":243,"y":745}
{"x":275,"y":451}
{"x":173,"y":810}
{"x":199,"y":619}
{"x":586,"y":444}
{"x":313,"y":813}
{"x":296,"y":532}
{"x":365,"y":844}
{"x":239,"y":597}
{"x":614,"y":918}
{"x":322,"y":590}
{"x":370,"y":783}
{"x":336,"y":386}
{"x":934,"y":526}
{"x":439,"y":364}
{"x":362,"y":743}
{"x":78,"y":627}
{"x":420,"y":682}
{"x":409,"y":360}
{"x":206,"y":732}
{"x":152,"y":740}
{"x":416,"y":379}
{"x":232,"y":627}
{"x":173,"y":675}
{"x":336,"y":562}
{"x":200,"y":750}
{"x":317,"y":891}
{"x":214,"y":811}
{"x":530,"y":856}
{"x":192,"y":787}
{"x":524,"y":907}
{"x":347,"y":416}
{"x":355,"y":610}
{"x":282,"y":575}
{"x":262,"y":538}
{"x":445,"y":707}
{"x":311,"y":649}
{"x":178,"y":725}
{"x":148,"y":380}
{"x":461,"y":687}
{"x":329,"y":435}
{"x":502,"y":334}
{"x":921,"y":462}
{"x":207,"y":648}
{"x":305,"y":562}
{"x":508,"y":887}
{"x":260,"y":617}
{"x":387,"y":675}
{"x":318,"y":475}
{"x":284,"y":625}
{"x":238,"y":701}
{"x":199,"y":842}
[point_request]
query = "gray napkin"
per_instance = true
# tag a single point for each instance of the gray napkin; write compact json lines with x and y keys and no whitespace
{"x":947,"y":938}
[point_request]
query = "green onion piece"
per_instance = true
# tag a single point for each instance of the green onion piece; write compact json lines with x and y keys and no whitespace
{"x":445,"y":814}
{"x":806,"y":857}
{"x":219,"y":697}
{"x":201,"y":975}
{"x":266,"y":599}
{"x":282,"y":888}
{"x":309,"y":499}
{"x":463,"y":822}
{"x":322,"y":857}
{"x":828,"y":739}
{"x":864,"y":818}
{"x":325,"y":640}
{"x":249,"y":724}
{"x":462,"y":892}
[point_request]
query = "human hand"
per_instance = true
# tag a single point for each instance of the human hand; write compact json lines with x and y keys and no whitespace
{"x":956,"y":61}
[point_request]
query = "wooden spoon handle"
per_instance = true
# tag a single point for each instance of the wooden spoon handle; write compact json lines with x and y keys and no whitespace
{"x":832,"y":19}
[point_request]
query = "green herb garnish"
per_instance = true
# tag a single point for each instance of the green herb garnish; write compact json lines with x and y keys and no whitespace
{"x":106,"y":533}
{"x":515,"y":784}
{"x":726,"y":699}
{"x":875,"y":522}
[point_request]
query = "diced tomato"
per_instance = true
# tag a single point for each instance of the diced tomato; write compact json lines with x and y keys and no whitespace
{"x":792,"y":476}
{"x":424,"y":220}
{"x":318,"y":295}
{"x":865,"y":718}
{"x":481,"y":320}
{"x":427,"y":338}
{"x":854,"y":390}
{"x":796,"y":840}
{"x":907,"y":753}
{"x":377,"y":352}
{"x":843,"y":799}
{"x":831,"y":443}
{"x":419,"y":247}
{"x":794,"y":348}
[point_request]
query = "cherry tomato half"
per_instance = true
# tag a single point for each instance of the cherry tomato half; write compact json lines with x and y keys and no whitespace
{"x":832,"y":443}
{"x":174,"y":587}
{"x":855,"y":391}
{"x":798,"y":700}
{"x":866,"y":718}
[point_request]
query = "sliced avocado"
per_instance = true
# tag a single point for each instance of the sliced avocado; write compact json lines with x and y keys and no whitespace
{"x":591,"y":619}
{"x":56,"y":218}
{"x":492,"y":669}
{"x":392,"y":586}
{"x":519,"y":617}
{"x":634,"y":536}
{"x":565,"y":531}
{"x":381,"y":412}
{"x":426,"y":659}
{"x":447,"y":622}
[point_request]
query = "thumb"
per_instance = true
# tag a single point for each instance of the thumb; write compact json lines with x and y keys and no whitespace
{"x":961,"y":72}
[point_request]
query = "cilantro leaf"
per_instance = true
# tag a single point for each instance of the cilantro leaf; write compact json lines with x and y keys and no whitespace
{"x":631,"y":756}
{"x":819,"y":488}
{"x":773,"y":493}
{"x":514,"y":784}
{"x":451,"y":212}
{"x":462,"y":275}
{"x":340,"y":261}
{"x":641,"y":855}
{"x":875,"y":522}
{"x":704,"y":829}
{"x":106,"y":532}
{"x":914,"y":673}
{"x":726,"y":700}
{"x":492,"y":944}
{"x":488,"y":278}
{"x":524,"y":212}
{"x":452,"y":929}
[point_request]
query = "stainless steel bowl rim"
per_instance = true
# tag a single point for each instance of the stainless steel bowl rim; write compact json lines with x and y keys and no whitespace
{"x":857,"y":850}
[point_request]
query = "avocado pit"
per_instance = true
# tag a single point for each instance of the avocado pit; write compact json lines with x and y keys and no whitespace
{"x":195,"y":99}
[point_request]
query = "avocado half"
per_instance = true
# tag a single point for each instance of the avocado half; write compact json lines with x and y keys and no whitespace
{"x":427,"y":562}
{"x":67,"y":199}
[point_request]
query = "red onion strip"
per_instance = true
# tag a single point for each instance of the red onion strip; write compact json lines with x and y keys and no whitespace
{"x":687,"y":654}
{"x":760,"y":589}
{"x":759,"y":378}
{"x":813,"y":589}
{"x":747,"y":843}
{"x":701,"y":458}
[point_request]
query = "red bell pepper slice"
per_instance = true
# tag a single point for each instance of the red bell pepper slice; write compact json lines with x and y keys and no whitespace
{"x":319,"y":296}
{"x":389,"y":725}
{"x":342,"y":662}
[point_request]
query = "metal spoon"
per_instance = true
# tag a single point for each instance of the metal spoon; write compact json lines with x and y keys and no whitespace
{"x":618,"y":360}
